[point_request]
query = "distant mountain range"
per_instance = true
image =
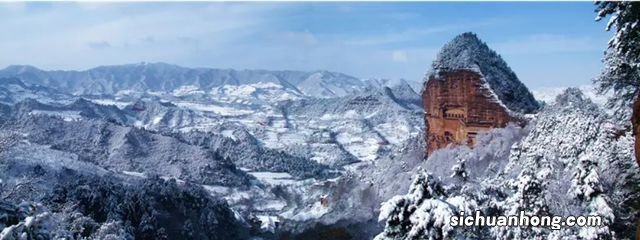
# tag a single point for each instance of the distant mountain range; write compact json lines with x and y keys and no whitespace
{"x":338,"y":116}
{"x":162,"y":77}
{"x":239,"y":134}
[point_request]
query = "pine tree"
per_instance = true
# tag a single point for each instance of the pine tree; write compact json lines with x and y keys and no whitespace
{"x":622,"y":57}
{"x":421,"y":214}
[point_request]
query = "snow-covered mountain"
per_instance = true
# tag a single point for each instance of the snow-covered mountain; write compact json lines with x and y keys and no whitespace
{"x":268,"y":143}
{"x":167,"y":78}
{"x":548,"y":94}
{"x":13,"y":90}
{"x":467,"y":51}
{"x":279,"y":154}
{"x":168,"y":97}
{"x":571,"y":160}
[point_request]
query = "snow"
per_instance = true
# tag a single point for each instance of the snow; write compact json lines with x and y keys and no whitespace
{"x":156,"y":120}
{"x":128,"y":92}
{"x":352,"y":114}
{"x":108,"y":102}
{"x":422,"y":212}
{"x":268,"y":223}
{"x":135,"y":174}
{"x":467,"y":51}
{"x":217,"y":190}
{"x":185,"y":90}
{"x":65,"y":115}
{"x":229,"y":134}
{"x":431,"y":214}
{"x":255,"y":110}
{"x":558,"y":165}
{"x":503,"y":171}
{"x":8,"y":231}
{"x":548,"y":94}
{"x":492,"y":93}
{"x":259,"y":92}
{"x":309,"y":213}
{"x":397,"y":132}
{"x":323,"y":138}
{"x":602,"y":209}
{"x":272,"y":205}
{"x":29,"y":221}
{"x":224,"y":111}
{"x":274,"y":178}
{"x":367,"y":152}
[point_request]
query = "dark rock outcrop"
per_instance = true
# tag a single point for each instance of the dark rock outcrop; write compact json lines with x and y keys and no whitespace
{"x":635,"y":121}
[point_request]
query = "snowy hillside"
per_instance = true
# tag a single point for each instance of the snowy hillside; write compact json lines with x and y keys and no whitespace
{"x":288,"y":154}
{"x":223,"y":101}
{"x":570,"y":160}
{"x":14,"y":90}
{"x":49,"y":194}
{"x":267,"y":143}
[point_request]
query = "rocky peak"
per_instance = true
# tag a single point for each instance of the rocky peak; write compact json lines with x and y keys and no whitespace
{"x":470,"y":89}
{"x":467,"y":52}
{"x":460,"y":53}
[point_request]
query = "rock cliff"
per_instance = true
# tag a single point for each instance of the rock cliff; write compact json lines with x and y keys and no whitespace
{"x":635,"y":120}
{"x":469,"y":89}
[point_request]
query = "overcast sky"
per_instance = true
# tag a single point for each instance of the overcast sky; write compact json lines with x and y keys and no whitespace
{"x":546,"y":44}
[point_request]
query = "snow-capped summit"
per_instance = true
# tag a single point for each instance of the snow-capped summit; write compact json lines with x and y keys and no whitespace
{"x":466,"y":51}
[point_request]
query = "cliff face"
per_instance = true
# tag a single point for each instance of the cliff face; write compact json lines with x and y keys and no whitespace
{"x":635,"y":120}
{"x":470,"y":89}
{"x":458,"y":105}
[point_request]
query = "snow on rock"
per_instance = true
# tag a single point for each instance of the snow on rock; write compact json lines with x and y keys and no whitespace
{"x":548,"y":94}
{"x":135,"y":174}
{"x":565,"y":162}
{"x":65,"y":115}
{"x":185,"y":90}
{"x":268,"y":223}
{"x":274,"y":178}
{"x":424,"y":210}
{"x":312,"y":212}
{"x":467,"y":51}
{"x":222,"y":110}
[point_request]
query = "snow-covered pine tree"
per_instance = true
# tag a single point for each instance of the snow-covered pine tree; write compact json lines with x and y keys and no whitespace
{"x":588,"y":190}
{"x":566,"y":163}
{"x":425,"y":212}
{"x":621,"y":73}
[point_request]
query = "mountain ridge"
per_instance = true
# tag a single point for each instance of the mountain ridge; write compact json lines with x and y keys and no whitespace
{"x":168,"y":77}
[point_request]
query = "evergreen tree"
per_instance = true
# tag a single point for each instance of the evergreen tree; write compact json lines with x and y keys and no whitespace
{"x":622,"y":57}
